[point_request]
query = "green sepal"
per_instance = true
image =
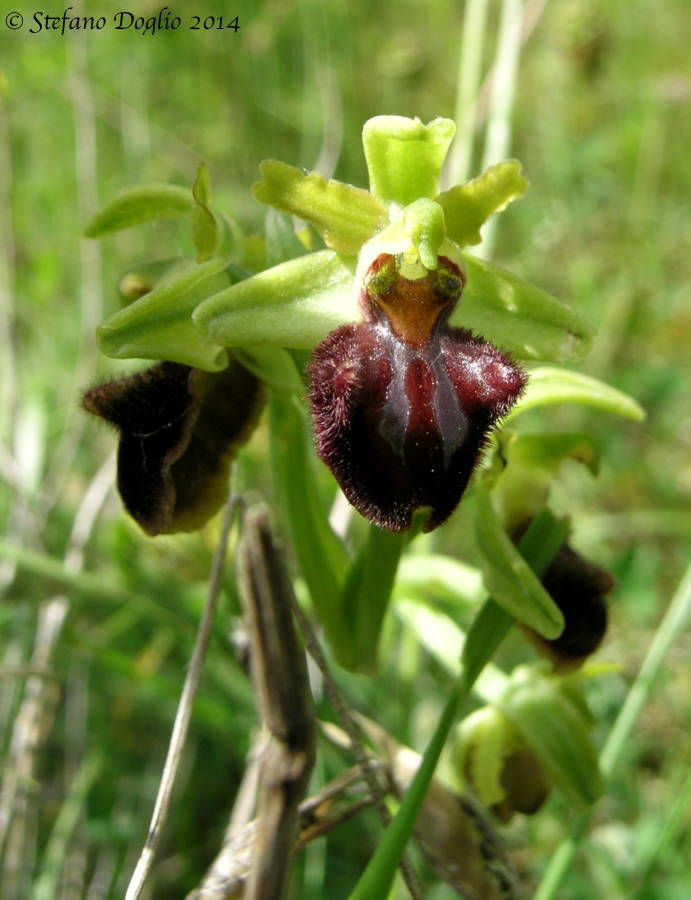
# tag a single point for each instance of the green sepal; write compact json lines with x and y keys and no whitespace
{"x":140,"y":204}
{"x":293,"y":305}
{"x":345,"y":216}
{"x":404,"y":156}
{"x":519,"y":317}
{"x":509,"y":579}
{"x":468,"y":206}
{"x":159,"y":325}
{"x":548,"y":385}
{"x":556,"y":731}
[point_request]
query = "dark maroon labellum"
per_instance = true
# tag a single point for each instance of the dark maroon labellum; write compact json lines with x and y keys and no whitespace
{"x":579,"y":588}
{"x":403,"y":404}
{"x":179,"y":432}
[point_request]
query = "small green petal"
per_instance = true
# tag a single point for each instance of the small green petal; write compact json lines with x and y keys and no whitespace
{"x":140,"y":204}
{"x":508,"y":578}
{"x":404,"y":157}
{"x":293,"y":305}
{"x":159,"y":325}
{"x":345,"y":216}
{"x":423,"y":222}
{"x":548,"y":385}
{"x":467,"y":206}
{"x":519,"y":317}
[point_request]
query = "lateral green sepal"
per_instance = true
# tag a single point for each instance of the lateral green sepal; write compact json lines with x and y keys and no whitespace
{"x":519,"y":317}
{"x":159,"y":325}
{"x":294,"y":305}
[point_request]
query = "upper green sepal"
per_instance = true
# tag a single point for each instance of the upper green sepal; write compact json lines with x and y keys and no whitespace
{"x":404,"y":157}
{"x":468,"y":206}
{"x":140,"y":204}
{"x":345,"y":216}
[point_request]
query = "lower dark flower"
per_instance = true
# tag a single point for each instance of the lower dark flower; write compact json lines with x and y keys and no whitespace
{"x":579,"y":588}
{"x":179,"y":431}
{"x":403,"y":404}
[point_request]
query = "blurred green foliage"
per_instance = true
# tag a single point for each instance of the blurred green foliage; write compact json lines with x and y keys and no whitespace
{"x":602,"y":127}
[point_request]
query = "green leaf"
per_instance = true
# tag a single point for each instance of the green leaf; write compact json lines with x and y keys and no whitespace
{"x":404,"y":157}
{"x":468,"y":206}
{"x":519,"y":317}
{"x":293,"y":305}
{"x":441,"y":637}
{"x":508,"y":578}
{"x":548,"y":385}
{"x":557,"y":733}
{"x":345,"y":216}
{"x":159,"y":325}
{"x":366,"y":596}
{"x":140,"y":204}
{"x":438,"y":577}
{"x":321,"y":556}
{"x":204,"y":226}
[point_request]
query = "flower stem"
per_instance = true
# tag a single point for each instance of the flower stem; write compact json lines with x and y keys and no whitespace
{"x":539,"y":544}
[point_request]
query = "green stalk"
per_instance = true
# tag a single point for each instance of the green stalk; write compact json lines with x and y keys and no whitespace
{"x":498,"y":136}
{"x":676,"y":618}
{"x":470,"y":63}
{"x":544,"y":532}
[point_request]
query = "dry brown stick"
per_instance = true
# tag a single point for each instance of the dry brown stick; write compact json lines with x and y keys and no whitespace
{"x":279,"y":673}
{"x":318,"y":814}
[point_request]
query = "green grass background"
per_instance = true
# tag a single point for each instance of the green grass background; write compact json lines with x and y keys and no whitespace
{"x":602,"y":124}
